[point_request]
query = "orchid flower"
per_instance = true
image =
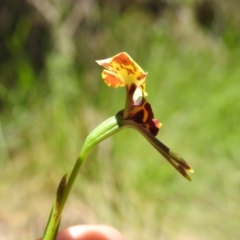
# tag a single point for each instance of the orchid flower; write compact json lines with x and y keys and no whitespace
{"x":122,"y":71}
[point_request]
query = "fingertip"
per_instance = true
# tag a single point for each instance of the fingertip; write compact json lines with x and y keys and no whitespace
{"x":90,"y":232}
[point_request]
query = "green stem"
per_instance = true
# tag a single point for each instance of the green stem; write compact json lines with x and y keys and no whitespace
{"x":103,"y":131}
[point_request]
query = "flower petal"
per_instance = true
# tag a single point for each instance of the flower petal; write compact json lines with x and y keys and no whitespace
{"x":143,"y":115}
{"x":112,"y":79}
{"x":123,"y":65}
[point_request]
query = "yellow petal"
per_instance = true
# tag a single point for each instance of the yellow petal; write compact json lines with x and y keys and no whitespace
{"x":124,"y":66}
{"x":105,"y":62}
{"x":112,"y":79}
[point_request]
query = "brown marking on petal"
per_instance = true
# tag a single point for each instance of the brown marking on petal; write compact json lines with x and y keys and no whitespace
{"x":129,"y":71}
{"x":148,"y":110}
{"x":138,"y":117}
{"x":131,"y":89}
{"x":153,"y":128}
{"x":141,"y":76}
{"x":123,"y":60}
{"x":143,"y":115}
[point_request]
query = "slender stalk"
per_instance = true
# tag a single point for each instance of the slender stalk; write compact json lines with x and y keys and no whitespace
{"x":103,"y":131}
{"x":173,"y":158}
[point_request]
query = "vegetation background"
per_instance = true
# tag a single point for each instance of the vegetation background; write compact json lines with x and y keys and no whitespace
{"x":52,"y":96}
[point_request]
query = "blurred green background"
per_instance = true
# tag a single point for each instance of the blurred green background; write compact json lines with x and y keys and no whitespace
{"x":52,"y":96}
